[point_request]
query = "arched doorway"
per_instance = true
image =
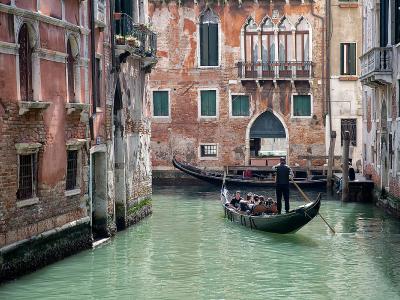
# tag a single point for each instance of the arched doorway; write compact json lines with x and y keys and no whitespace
{"x":267,"y":139}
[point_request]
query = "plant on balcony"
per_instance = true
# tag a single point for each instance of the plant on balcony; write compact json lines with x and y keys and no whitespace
{"x":119,"y":39}
{"x":132,"y":41}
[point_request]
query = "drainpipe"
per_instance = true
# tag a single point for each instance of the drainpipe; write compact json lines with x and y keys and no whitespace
{"x":93,"y":56}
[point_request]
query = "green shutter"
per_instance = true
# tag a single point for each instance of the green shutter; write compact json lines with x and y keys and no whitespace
{"x":341,"y":59}
{"x":204,"y":44}
{"x":240,"y":105}
{"x":352,"y":59}
{"x":208,"y":103}
{"x":301,"y":105}
{"x":160,"y":103}
{"x":213,"y":45}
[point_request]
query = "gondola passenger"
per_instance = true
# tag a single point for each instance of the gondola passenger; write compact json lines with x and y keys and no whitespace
{"x":236,"y":200}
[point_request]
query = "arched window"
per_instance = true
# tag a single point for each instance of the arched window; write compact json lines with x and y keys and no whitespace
{"x":70,"y":72}
{"x":25,"y":64}
{"x":209,"y":45}
{"x":251,"y":48}
{"x":267,"y":47}
{"x":302,"y":41}
{"x":285,"y":46}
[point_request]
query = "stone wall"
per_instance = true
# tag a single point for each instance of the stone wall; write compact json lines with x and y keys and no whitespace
{"x":177,"y":71}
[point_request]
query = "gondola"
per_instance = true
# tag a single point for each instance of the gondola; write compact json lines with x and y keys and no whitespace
{"x":275,"y":223}
{"x":217,"y":177}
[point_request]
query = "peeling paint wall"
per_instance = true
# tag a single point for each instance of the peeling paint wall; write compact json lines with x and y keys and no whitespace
{"x":178,"y":72}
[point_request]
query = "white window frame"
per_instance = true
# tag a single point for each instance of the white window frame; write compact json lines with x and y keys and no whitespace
{"x":356,"y":59}
{"x":230,"y":95}
{"x":199,"y":46}
{"x":169,"y":105}
{"x":292,"y":104}
{"x":200,"y":117}
{"x":208,"y":157}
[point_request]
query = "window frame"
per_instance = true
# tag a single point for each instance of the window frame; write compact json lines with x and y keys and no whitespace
{"x":200,"y":117}
{"x":231,"y":105}
{"x":356,"y":135}
{"x":34,"y":175}
{"x":208,"y":157}
{"x":199,"y":22}
{"x":342,"y":58}
{"x":75,"y":145}
{"x":311,"y":106}
{"x":76,"y":185}
{"x":169,"y":104}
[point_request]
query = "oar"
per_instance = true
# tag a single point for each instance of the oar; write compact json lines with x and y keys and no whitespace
{"x":308,"y":200}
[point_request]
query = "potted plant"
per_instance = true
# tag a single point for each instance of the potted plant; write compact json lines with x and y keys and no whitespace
{"x":132,"y":41}
{"x":119,"y":39}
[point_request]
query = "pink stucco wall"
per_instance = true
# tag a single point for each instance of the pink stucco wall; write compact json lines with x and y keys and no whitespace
{"x":51,"y":8}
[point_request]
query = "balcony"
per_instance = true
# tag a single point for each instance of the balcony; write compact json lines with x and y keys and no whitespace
{"x":287,"y":70}
{"x":137,"y":39}
{"x":376,"y":66}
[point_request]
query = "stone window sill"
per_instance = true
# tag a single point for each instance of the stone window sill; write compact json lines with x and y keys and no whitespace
{"x":71,"y":107}
{"x":348,"y":5}
{"x":208,"y":158}
{"x":27,"y":202}
{"x":348,"y":78}
{"x":73,"y":192}
{"x":26,"y":106}
{"x":75,"y":144}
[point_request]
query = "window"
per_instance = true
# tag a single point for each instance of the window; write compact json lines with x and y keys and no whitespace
{"x":70,"y":72}
{"x":27,"y":176}
{"x":208,"y":150}
{"x":301,"y":105}
{"x":302,"y":49}
{"x":240,"y":105}
{"x":25,"y":64}
{"x":160,"y":104}
{"x":285,"y":46}
{"x":391,"y":152}
{"x":398,"y":161}
{"x":384,"y":23}
{"x":98,"y":82}
{"x":208,"y":104}
{"x":209,"y":48}
{"x":72,"y":169}
{"x":267,"y":48}
{"x":397,"y":21}
{"x":349,"y":125}
{"x":348,"y":59}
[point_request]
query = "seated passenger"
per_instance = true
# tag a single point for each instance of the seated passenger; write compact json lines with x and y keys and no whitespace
{"x":235,"y":201}
{"x":271,"y":205}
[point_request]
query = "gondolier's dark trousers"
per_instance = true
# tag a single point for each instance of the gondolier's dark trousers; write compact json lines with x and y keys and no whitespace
{"x":282,"y":189}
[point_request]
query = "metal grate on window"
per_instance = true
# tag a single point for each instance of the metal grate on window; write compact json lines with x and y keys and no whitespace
{"x":349,"y":125}
{"x":27,"y":174}
{"x":72,"y":167}
{"x":208,"y":150}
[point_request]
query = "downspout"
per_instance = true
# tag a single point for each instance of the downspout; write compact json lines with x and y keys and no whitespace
{"x":93,"y":56}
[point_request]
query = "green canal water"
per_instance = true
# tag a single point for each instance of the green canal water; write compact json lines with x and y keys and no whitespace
{"x":188,"y":250}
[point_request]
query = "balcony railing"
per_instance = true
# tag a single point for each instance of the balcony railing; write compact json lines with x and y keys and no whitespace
{"x":140,"y":38}
{"x":377,"y":61}
{"x":284,"y":70}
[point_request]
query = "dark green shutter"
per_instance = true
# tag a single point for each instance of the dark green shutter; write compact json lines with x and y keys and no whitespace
{"x":301,"y":105}
{"x":213,"y":44}
{"x":352,"y":59}
{"x":240,"y":105}
{"x":208,"y":103}
{"x":204,"y":44}
{"x":342,"y":59}
{"x":160,"y":103}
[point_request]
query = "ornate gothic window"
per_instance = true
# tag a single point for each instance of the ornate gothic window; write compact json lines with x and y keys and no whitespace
{"x":302,"y":48}
{"x":285,"y":46}
{"x":267,"y":47}
{"x":251,"y":47}
{"x":209,"y":45}
{"x":25,"y":64}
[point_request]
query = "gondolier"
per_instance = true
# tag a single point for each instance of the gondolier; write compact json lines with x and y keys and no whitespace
{"x":282,"y":179}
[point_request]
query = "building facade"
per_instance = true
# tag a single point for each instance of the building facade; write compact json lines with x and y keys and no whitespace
{"x":381,"y":106}
{"x":239,"y":83}
{"x":74,"y":126}
{"x":344,"y":99}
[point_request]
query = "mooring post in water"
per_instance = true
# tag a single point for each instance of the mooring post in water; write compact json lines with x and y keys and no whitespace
{"x":331,"y":159}
{"x":345,"y":166}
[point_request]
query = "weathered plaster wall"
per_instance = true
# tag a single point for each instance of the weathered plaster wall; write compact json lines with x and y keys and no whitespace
{"x":178,"y":72}
{"x":345,"y":90}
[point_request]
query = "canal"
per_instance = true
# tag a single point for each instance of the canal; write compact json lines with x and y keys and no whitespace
{"x":187,"y":250}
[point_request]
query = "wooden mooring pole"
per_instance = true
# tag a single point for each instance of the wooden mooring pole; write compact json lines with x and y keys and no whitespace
{"x":331,"y":159}
{"x":345,"y":166}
